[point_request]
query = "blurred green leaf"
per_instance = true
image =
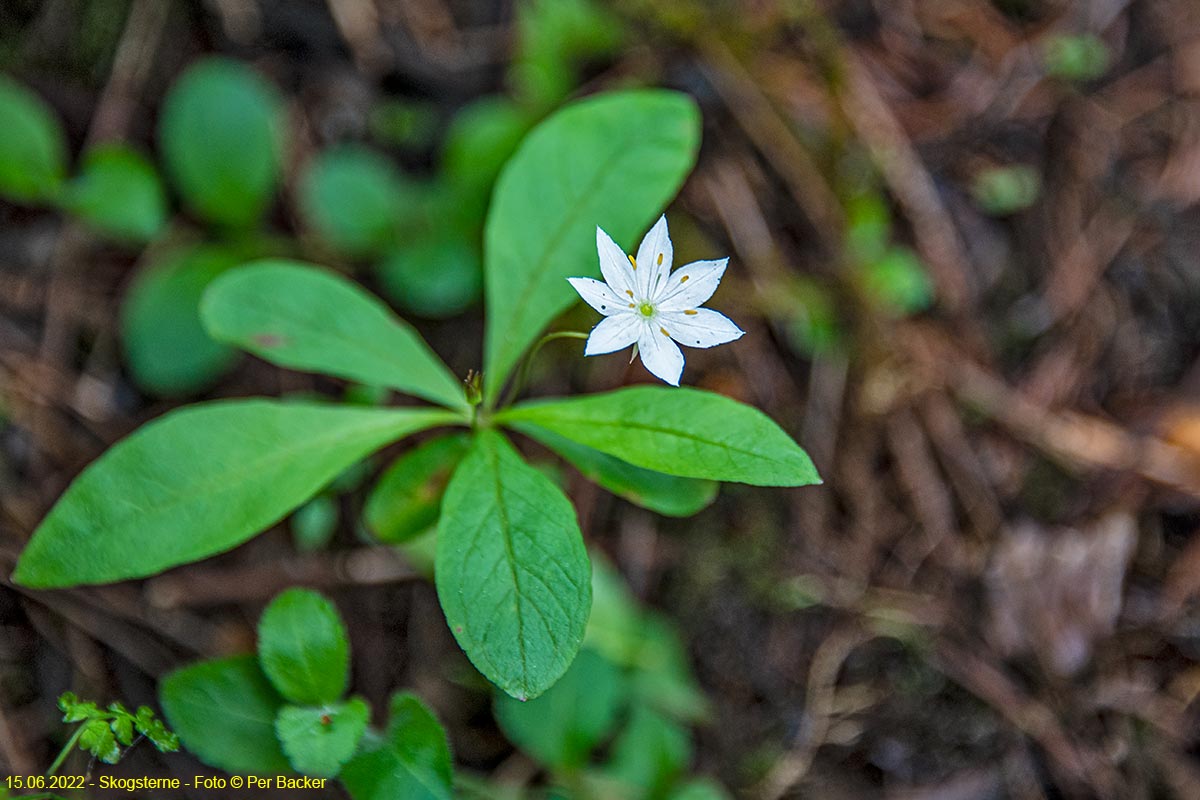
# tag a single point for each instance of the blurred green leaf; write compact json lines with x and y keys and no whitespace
{"x":811,"y":317}
{"x":868,"y":227}
{"x":1006,"y":190}
{"x":614,"y":627}
{"x":198,"y":481}
{"x":561,"y":728}
{"x":318,"y":741}
{"x":650,"y":752}
{"x":553,"y":38}
{"x":166,"y":346}
{"x":665,"y":494}
{"x":314,"y":523}
{"x":355,"y":199}
{"x":898,"y":282}
{"x":411,"y":761}
{"x":699,"y":790}
{"x":224,"y":712}
{"x":303,"y":649}
{"x":221,"y":139}
{"x":404,"y":122}
{"x":303,"y":317}
{"x":512,"y":573}
{"x":435,"y":274}
{"x":118,"y":193}
{"x":663,"y":679}
{"x":1076,"y":57}
{"x":33,"y":146}
{"x":483,"y":135}
{"x":408,"y":497}
{"x":612,"y":160}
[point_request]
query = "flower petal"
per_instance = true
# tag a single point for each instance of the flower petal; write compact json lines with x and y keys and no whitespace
{"x":597,"y":295}
{"x":613,"y":334}
{"x":699,"y":327}
{"x":614,"y":265}
{"x":654,"y":257}
{"x":659,"y":354}
{"x":692,"y":284}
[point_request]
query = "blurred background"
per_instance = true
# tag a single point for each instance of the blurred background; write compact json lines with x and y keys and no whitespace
{"x":963,"y":238}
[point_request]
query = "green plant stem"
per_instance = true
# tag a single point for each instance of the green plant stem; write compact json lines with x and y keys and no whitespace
{"x":67,"y":748}
{"x":523,"y":376}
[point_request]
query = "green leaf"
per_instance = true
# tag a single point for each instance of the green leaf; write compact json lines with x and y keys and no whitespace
{"x":663,"y":679}
{"x":306,"y":318}
{"x":314,"y":523}
{"x":220,"y":134}
{"x":165,"y":345}
{"x":560,"y":728}
{"x":354,"y":198}
{"x":481,"y":138}
{"x":198,"y":481}
{"x":118,"y":192}
{"x":408,"y":497}
{"x":898,"y":282}
{"x":33,"y":146}
{"x":512,"y":573}
{"x":153,"y":729}
{"x":650,"y":753}
{"x":699,"y":790}
{"x":303,"y":649}
{"x":412,"y":760}
{"x":665,"y":494}
{"x":224,"y":712}
{"x":98,"y":739}
{"x":1006,"y":190}
{"x":434,"y":275}
{"x":613,"y":160}
{"x":318,"y":741}
{"x":1076,"y":57}
{"x":552,"y":35}
{"x":685,"y":432}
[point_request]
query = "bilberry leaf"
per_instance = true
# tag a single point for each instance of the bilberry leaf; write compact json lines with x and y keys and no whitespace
{"x":118,"y":193}
{"x":512,"y":573}
{"x":412,"y":760}
{"x":408,"y":497}
{"x":318,"y":741}
{"x":198,"y":481}
{"x":303,"y":649}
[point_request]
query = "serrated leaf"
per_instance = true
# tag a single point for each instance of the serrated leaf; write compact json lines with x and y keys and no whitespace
{"x":33,"y":146}
{"x":220,"y":134}
{"x":411,"y":761}
{"x":561,"y":728}
{"x":407,"y":499}
{"x":354,"y":198}
{"x":118,"y":192}
{"x":165,"y":345}
{"x":512,"y":573}
{"x":665,"y":494}
{"x":613,"y":160}
{"x":97,"y":738}
{"x":318,"y":741}
{"x":306,"y":318}
{"x":224,"y":713}
{"x":303,"y":649}
{"x":198,"y":481}
{"x":679,"y":431}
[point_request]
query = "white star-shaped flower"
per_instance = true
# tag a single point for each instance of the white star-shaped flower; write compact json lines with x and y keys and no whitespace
{"x":646,"y":304}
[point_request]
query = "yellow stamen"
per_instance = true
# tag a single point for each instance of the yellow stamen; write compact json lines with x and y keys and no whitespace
{"x":664,"y":332}
{"x":633,"y":261}
{"x":629,"y":293}
{"x":684,"y":278}
{"x":633,"y":305}
{"x":691,"y":312}
{"x":660,"y":255}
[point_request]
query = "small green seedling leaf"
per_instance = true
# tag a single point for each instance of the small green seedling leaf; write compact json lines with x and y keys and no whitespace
{"x":220,"y":134}
{"x":318,"y":741}
{"x":148,"y":725}
{"x":118,"y":193}
{"x":898,"y":282}
{"x":97,"y":738}
{"x":613,"y":160}
{"x":354,"y":198}
{"x":436,"y":274}
{"x":512,"y":573}
{"x":562,"y":727}
{"x":1079,"y":57}
{"x":412,"y":760}
{"x":1006,"y":190}
{"x":303,"y":317}
{"x":685,"y":432}
{"x":224,"y":712}
{"x":165,"y":345}
{"x":33,"y":146}
{"x":408,"y":497}
{"x":198,"y":481}
{"x":650,"y":753}
{"x":552,"y":36}
{"x":666,"y":494}
{"x":303,"y":649}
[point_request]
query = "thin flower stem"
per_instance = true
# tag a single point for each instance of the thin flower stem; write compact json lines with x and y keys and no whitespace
{"x":523,"y":376}
{"x":62,"y":755}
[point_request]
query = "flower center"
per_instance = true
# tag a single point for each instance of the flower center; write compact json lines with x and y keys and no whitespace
{"x":646,"y":309}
